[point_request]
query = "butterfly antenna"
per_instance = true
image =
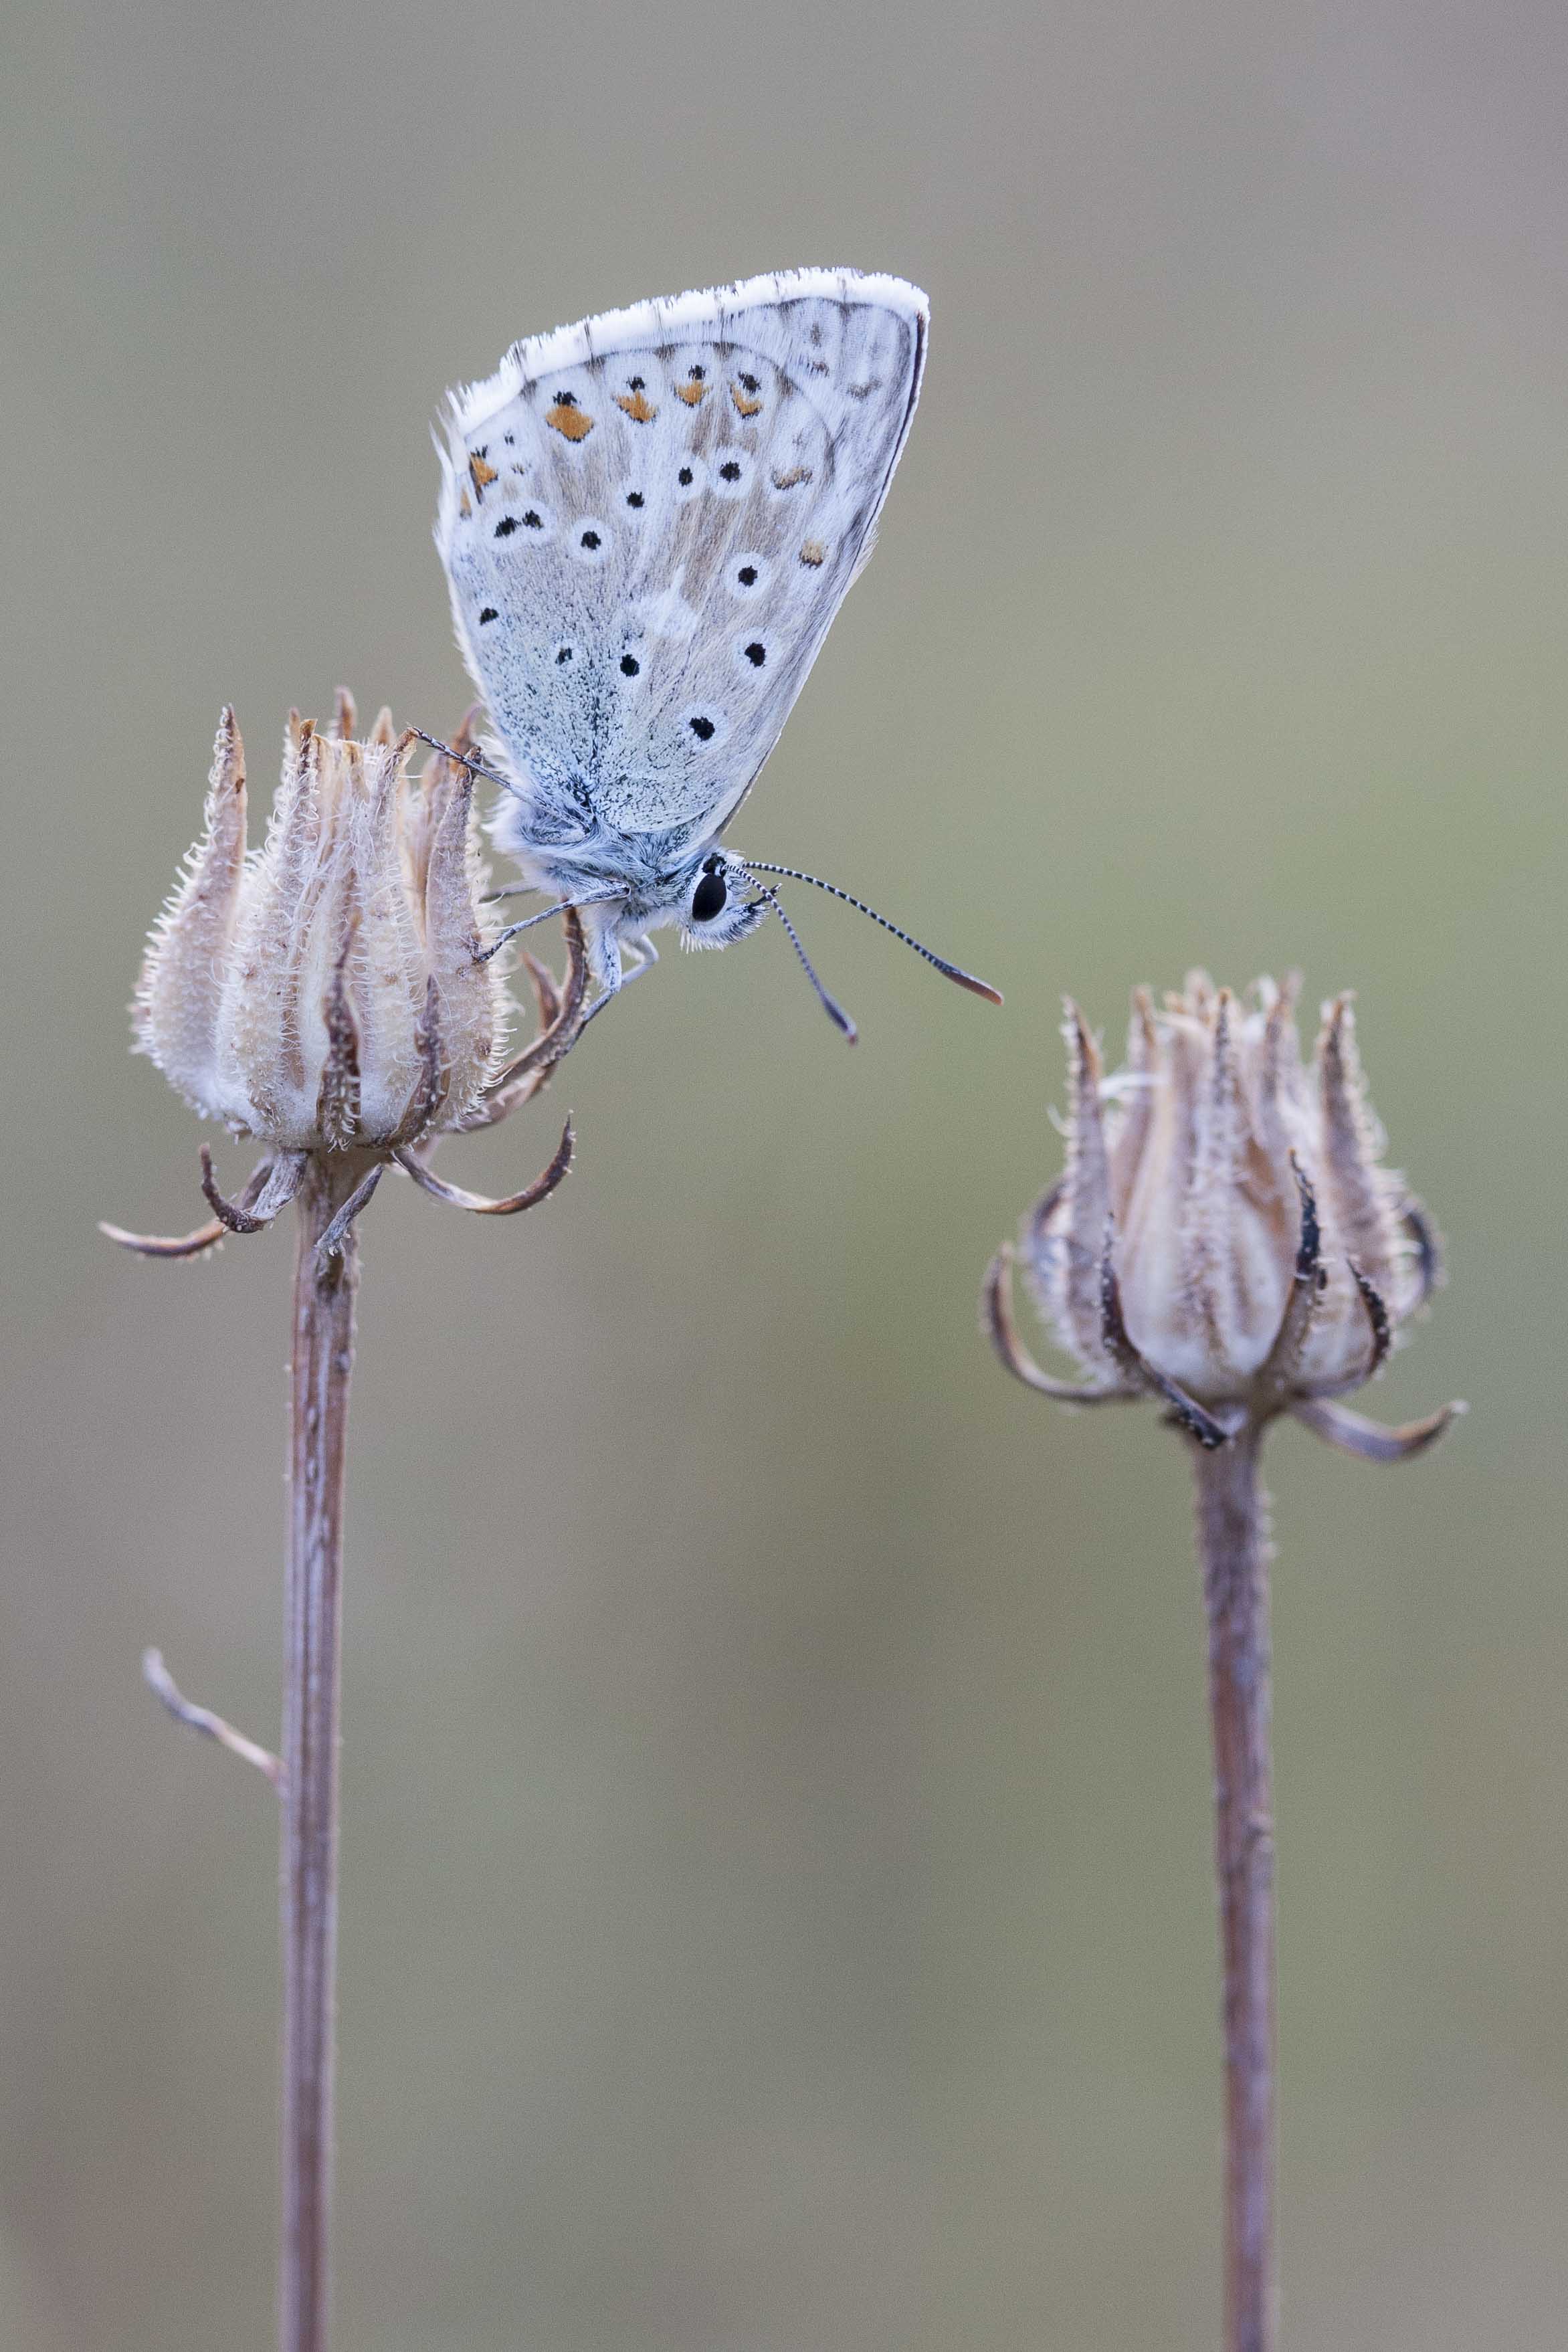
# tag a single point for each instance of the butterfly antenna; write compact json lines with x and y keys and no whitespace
{"x":835,"y":1011}
{"x":949,"y":970}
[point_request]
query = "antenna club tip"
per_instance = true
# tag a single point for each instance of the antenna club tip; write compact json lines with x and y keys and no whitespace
{"x":975,"y":987}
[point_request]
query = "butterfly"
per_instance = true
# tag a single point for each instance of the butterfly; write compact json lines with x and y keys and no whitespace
{"x":647,"y":522}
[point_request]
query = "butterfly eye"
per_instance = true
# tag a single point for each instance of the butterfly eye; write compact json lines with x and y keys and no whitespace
{"x":708,"y":899}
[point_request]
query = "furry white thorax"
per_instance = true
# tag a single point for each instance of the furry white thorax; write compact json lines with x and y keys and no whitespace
{"x":647,"y":522}
{"x":629,"y":884}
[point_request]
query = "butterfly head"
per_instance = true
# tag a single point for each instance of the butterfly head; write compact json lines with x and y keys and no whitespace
{"x":720,"y":902}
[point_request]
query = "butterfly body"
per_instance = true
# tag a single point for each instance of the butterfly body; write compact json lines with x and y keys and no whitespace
{"x":647,"y":522}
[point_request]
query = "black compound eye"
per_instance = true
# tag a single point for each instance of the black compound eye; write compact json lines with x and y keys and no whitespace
{"x":708,"y":899}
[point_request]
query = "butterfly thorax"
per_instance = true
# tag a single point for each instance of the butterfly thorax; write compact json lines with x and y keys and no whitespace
{"x":647,"y":872}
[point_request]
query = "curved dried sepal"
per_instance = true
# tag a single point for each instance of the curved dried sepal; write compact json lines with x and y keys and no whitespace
{"x":546,"y":994}
{"x":338,"y":1094}
{"x":1428,"y":1244}
{"x":1382,"y":1330}
{"x":191,"y":1244}
{"x":480,"y":1205}
{"x":236,"y":1216}
{"x":1368,"y":1440}
{"x":1036,"y":1236}
{"x":1135,"y":1368}
{"x":1088,"y":1196}
{"x":1126,"y":1151}
{"x":427,"y":1096}
{"x":474,"y":1003}
{"x":180,"y":992}
{"x":206,"y":1237}
{"x":333,"y":1239}
{"x":1280,"y":1368}
{"x":523,"y":1078}
{"x":996,"y":1322}
{"x":1358,"y":1192}
{"x":345,"y":718}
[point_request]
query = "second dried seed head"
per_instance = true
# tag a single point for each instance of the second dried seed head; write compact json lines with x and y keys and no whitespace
{"x":1225,"y":1233}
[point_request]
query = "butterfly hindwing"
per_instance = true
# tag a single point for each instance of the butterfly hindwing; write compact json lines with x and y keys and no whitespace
{"x":648,"y":522}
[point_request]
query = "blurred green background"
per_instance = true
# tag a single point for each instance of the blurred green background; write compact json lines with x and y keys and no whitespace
{"x":776,"y":1897}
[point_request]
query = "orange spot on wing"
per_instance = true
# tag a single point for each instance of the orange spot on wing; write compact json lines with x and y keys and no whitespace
{"x":691,"y":393}
{"x":480,"y":473}
{"x":814,"y":552}
{"x":574,"y":422}
{"x":636,"y":408}
{"x":465,"y":504}
{"x":743,"y":401}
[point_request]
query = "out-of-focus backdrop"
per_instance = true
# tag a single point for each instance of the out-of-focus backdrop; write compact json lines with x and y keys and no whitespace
{"x":776,"y":1895}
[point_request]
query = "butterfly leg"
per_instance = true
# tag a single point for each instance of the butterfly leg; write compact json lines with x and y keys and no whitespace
{"x":646,"y":955}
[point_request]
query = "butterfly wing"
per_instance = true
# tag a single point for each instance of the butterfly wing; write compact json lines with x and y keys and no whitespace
{"x":648,"y":521}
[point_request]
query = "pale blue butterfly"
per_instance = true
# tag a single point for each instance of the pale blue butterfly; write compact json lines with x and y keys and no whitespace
{"x":647,"y":522}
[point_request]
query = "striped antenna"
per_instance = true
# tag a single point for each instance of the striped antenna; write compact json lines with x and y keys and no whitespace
{"x":949,"y":970}
{"x":835,"y":1011}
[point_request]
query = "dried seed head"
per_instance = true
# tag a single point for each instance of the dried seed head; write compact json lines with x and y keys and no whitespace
{"x":324,"y":992}
{"x":1223,"y":1227}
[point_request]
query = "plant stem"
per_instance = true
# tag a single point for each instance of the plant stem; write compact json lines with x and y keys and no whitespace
{"x":1232,"y":1514}
{"x":322,"y":1362}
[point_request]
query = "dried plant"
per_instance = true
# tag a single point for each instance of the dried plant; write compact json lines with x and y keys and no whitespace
{"x":331,"y":994}
{"x":1226,"y":1241}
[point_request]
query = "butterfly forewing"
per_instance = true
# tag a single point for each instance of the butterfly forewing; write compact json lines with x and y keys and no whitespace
{"x":648,"y":522}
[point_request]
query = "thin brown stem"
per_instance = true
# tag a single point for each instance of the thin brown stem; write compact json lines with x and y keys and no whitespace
{"x":1233,"y":1548}
{"x":322,"y":1362}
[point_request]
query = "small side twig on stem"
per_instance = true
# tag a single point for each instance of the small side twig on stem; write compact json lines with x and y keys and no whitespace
{"x":162,"y":1686}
